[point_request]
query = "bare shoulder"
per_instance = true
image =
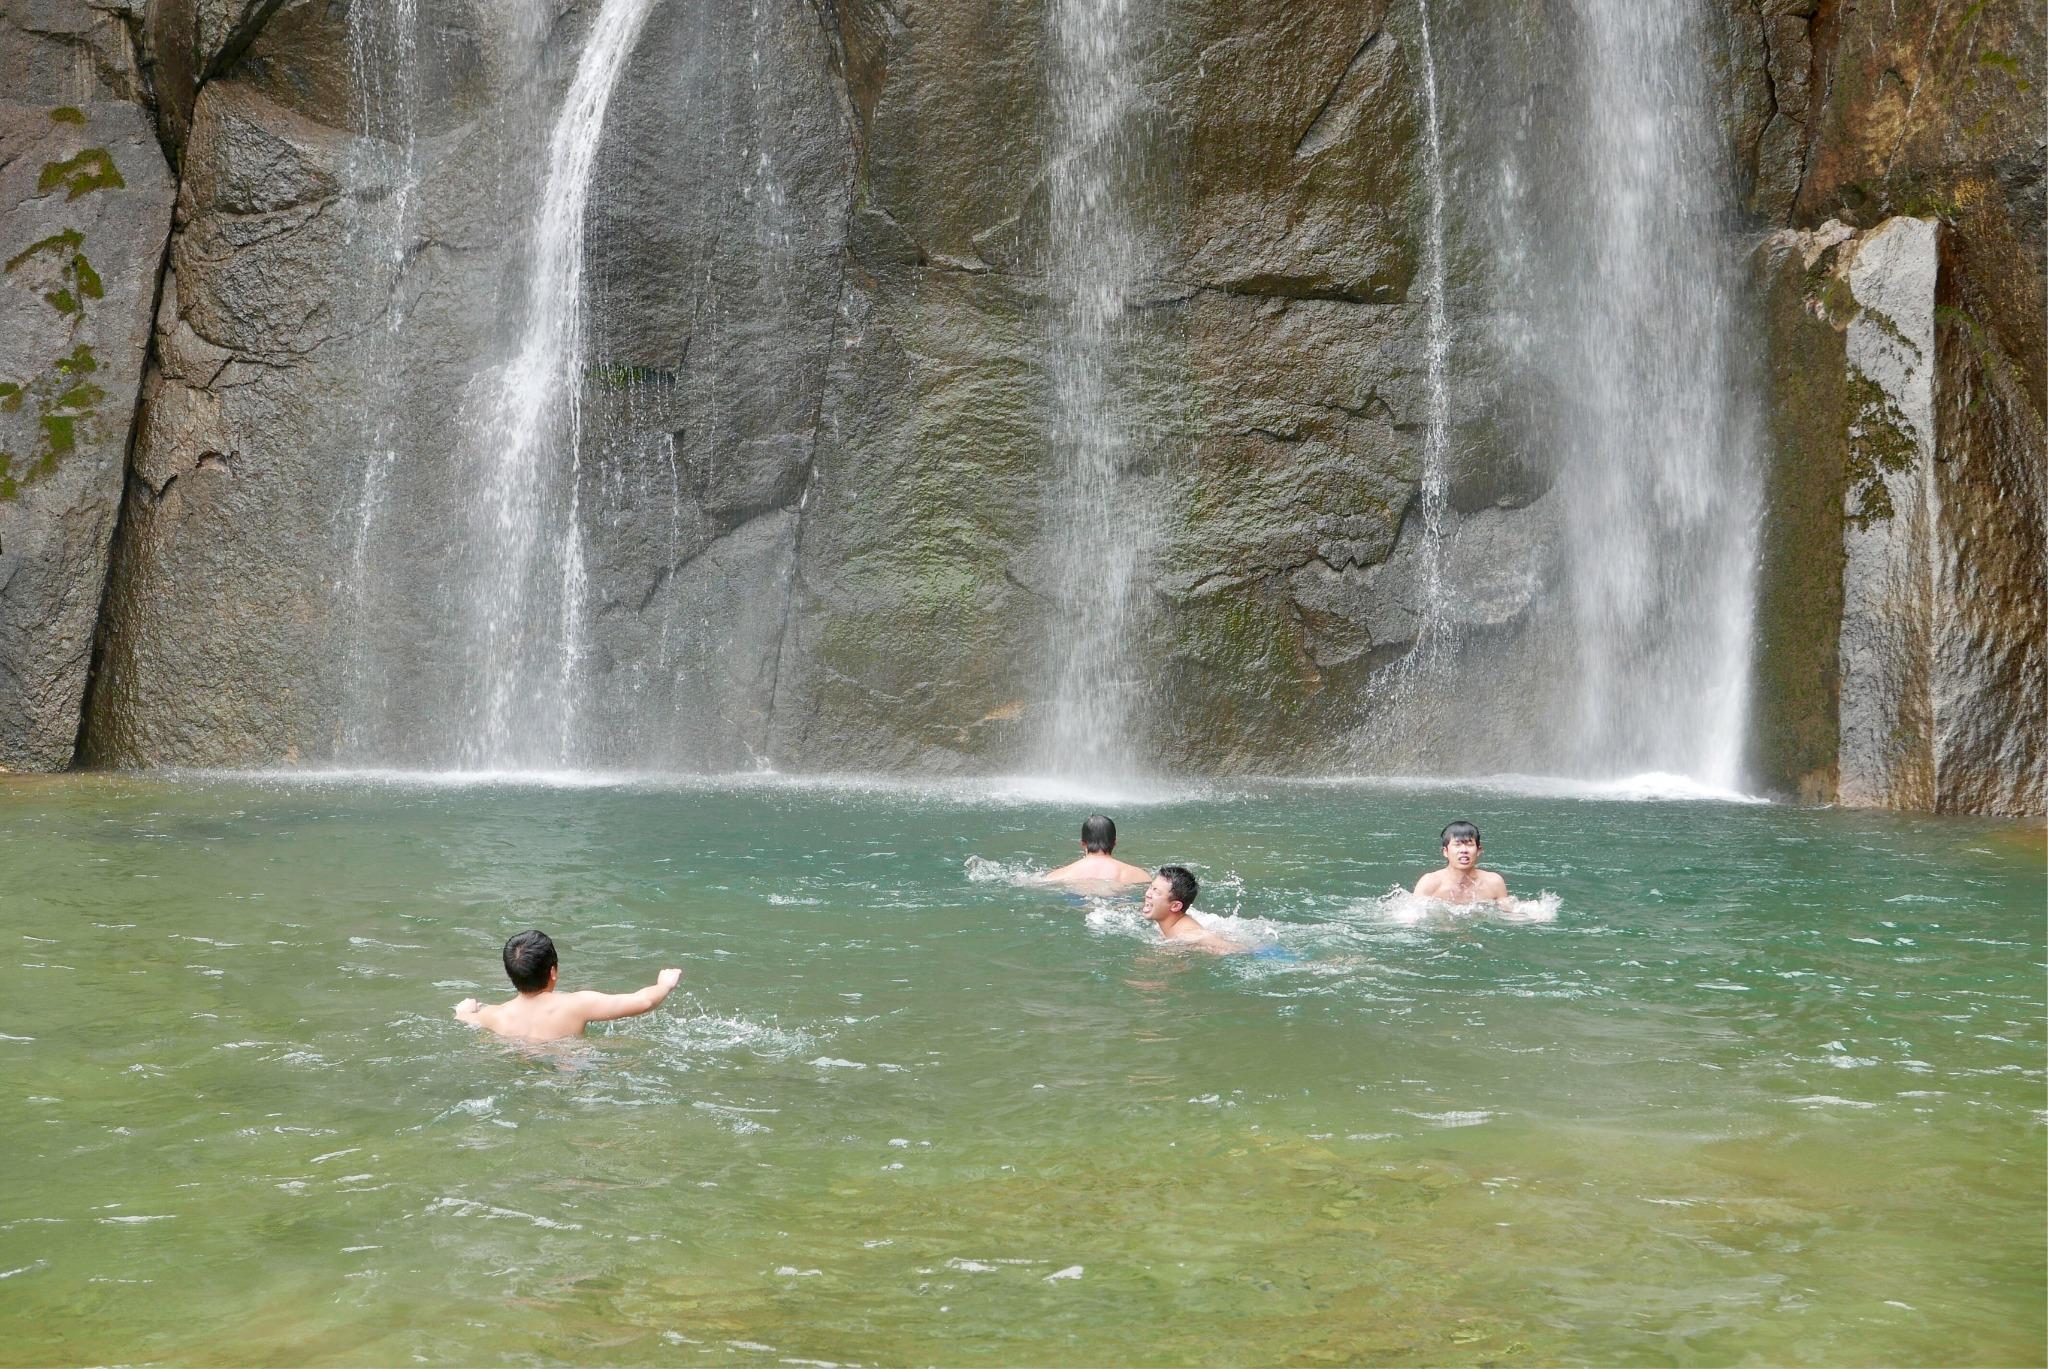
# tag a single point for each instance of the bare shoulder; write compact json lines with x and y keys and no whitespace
{"x":1491,"y":885}
{"x":1429,"y":883}
{"x":1131,"y":874}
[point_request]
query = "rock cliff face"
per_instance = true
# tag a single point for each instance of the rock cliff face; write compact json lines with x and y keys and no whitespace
{"x":1906,"y":576}
{"x":816,"y":458}
{"x":85,"y":201}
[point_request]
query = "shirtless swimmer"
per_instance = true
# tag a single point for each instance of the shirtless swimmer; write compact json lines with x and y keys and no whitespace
{"x":1167,"y":900}
{"x":1096,"y":865}
{"x":1461,"y":880}
{"x":538,"y":1012}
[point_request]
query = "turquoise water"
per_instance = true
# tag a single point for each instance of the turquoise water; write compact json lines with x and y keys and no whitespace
{"x":1769,"y":1087}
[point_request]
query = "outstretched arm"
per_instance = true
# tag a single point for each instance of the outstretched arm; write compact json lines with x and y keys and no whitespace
{"x":608,"y":1007}
{"x":467,"y":1011}
{"x":1221,"y":945}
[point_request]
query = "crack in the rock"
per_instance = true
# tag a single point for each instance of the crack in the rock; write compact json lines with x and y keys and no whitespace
{"x":1302,"y":146}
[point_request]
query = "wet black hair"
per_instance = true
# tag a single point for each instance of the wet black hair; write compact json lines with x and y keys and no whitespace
{"x":1180,"y":885}
{"x":528,"y":958}
{"x":1460,"y":831}
{"x":1098,"y":833}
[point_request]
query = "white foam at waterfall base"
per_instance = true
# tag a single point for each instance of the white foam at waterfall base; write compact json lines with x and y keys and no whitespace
{"x":1651,"y":786}
{"x":997,"y":792}
{"x":992,"y":792}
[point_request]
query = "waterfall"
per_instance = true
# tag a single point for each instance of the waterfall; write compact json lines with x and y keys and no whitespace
{"x":1094,"y":259}
{"x":385,"y":175}
{"x":1408,"y":690}
{"x":528,"y":599}
{"x":1435,"y":641}
{"x":1659,"y":473}
{"x":1625,"y":408}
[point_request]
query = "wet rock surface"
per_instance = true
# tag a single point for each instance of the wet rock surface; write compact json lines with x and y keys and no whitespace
{"x":1902,"y":602}
{"x":815,"y":444}
{"x":85,"y":204}
{"x":1850,"y":117}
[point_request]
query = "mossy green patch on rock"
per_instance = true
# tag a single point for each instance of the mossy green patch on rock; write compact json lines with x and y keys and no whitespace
{"x":67,"y":114}
{"x":1794,"y":746}
{"x":70,"y":240}
{"x":2005,"y":62}
{"x":81,"y":362}
{"x":67,"y":410}
{"x":90,"y":170}
{"x":77,"y":279}
{"x":1880,"y":443}
{"x":60,"y":435}
{"x":1830,"y":295}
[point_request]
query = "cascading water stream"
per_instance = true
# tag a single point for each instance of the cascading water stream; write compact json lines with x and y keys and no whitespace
{"x":531,"y":580}
{"x":1433,"y":636}
{"x":1097,"y":535}
{"x":1435,"y":642}
{"x":384,"y":58}
{"x":1658,"y":475}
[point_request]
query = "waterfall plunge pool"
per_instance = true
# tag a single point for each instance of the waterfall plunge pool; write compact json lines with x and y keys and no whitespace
{"x":1769,"y":1087}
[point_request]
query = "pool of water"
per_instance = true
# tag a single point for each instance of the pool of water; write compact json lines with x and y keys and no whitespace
{"x":1768,"y":1087}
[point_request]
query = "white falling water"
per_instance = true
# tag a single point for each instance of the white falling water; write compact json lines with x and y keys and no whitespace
{"x":1097,"y":534}
{"x":384,"y":61}
{"x":1658,"y":477}
{"x":1435,"y":639}
{"x":531,"y":582}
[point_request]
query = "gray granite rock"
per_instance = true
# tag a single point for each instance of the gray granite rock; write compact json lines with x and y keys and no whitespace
{"x":816,"y":456}
{"x":1935,"y":608}
{"x":85,"y":204}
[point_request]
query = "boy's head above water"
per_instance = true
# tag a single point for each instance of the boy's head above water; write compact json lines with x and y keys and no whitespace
{"x":1461,"y":843}
{"x":1098,"y":835}
{"x":530,"y":962}
{"x":1173,"y":885}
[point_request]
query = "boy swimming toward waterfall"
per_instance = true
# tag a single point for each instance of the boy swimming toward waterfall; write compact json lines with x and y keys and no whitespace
{"x":539,"y":1013}
{"x":1461,"y":880}
{"x":1097,"y":865}
{"x":1167,"y":900}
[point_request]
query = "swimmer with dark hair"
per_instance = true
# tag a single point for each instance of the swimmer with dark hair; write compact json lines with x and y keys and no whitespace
{"x":1167,"y":900}
{"x":1097,"y":865}
{"x":1461,"y":880}
{"x":539,"y":1013}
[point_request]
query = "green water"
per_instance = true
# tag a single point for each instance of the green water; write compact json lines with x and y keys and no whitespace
{"x":1768,"y":1089}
